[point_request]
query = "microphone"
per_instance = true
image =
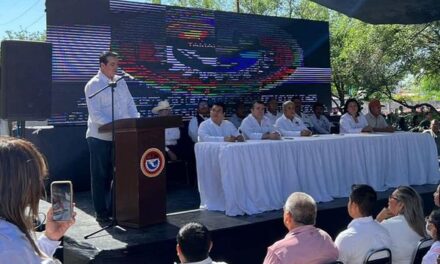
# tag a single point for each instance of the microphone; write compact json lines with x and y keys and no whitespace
{"x":126,"y":74}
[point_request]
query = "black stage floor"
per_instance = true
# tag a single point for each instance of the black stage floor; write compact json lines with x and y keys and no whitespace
{"x":241,"y":239}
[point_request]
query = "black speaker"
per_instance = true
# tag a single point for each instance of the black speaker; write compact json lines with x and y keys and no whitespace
{"x":26,"y":80}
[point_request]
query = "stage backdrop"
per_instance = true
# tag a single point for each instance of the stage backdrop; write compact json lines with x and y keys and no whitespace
{"x":184,"y":55}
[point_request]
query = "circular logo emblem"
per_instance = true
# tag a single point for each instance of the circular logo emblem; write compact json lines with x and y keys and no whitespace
{"x":152,"y":162}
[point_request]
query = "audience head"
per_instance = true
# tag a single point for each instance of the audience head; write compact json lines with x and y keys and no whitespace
{"x":318,"y":109}
{"x":300,"y":209}
{"x":436,"y":196}
{"x":375,"y":107}
{"x":203,"y":108}
{"x":217,"y":113}
{"x":22,"y":171}
{"x":361,"y":201}
{"x":407,"y":202}
{"x":272,"y":106}
{"x":257,"y":110}
{"x":108,"y":63}
{"x":163,"y":108}
{"x":433,"y":225}
{"x":289,"y":109}
{"x":193,"y":243}
{"x":352,"y":107}
{"x":435,"y":126}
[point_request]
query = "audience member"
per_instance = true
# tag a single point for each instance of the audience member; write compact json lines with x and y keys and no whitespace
{"x":436,"y":196}
{"x":257,"y":126}
{"x":426,"y":122}
{"x":319,"y":121}
{"x":194,"y":244}
{"x":194,"y":123}
{"x":172,"y":134}
{"x":403,"y":218}
{"x":433,"y":230}
{"x":434,"y":131}
{"x":363,"y":233}
{"x":353,"y":121}
{"x":22,"y":171}
{"x":240,"y":113}
{"x":289,"y":125}
{"x":304,"y":243}
{"x":375,"y":118}
{"x":272,"y":110}
{"x":216,"y":128}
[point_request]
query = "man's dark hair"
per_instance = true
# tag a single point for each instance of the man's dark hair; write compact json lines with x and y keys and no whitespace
{"x":349,"y":101}
{"x":194,"y":241}
{"x":257,"y":102}
{"x":365,"y":197}
{"x":103,"y":58}
{"x":222,"y":105}
{"x":317,"y":104}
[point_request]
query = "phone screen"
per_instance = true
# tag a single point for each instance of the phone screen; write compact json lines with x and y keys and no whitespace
{"x":61,"y":194}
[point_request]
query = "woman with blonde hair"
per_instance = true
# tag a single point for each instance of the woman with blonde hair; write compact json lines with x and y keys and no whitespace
{"x":404,"y":220}
{"x":22,"y":170}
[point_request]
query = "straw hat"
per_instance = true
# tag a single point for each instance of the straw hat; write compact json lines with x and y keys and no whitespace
{"x":162,"y":105}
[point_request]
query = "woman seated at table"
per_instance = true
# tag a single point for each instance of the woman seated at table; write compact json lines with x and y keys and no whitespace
{"x":433,"y":229}
{"x":353,"y":121}
{"x":404,"y":220}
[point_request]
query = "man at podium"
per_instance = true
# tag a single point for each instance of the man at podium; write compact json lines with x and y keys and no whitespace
{"x":100,"y":113}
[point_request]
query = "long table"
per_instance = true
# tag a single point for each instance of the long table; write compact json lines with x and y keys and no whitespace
{"x":257,"y":176}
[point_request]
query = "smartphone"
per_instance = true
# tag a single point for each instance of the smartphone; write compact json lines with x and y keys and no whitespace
{"x":62,"y":200}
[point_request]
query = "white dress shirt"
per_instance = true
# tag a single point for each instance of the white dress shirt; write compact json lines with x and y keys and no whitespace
{"x":100,"y":106}
{"x":433,"y":253}
{"x":321,"y":125}
{"x":290,"y":128}
{"x":348,"y":125}
{"x":251,"y":129}
{"x":234,"y":119}
{"x":16,"y":248}
{"x":193,"y":128}
{"x":362,"y":235}
{"x":404,"y":239}
{"x":376,"y":122}
{"x":171,"y":136}
{"x":273,"y":118}
{"x":211,"y":132}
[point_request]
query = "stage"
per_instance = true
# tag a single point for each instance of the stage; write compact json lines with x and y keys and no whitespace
{"x":239,"y":239}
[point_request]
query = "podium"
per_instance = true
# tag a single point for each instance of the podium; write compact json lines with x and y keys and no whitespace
{"x":140,"y":195}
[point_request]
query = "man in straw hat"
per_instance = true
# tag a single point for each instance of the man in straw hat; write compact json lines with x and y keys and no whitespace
{"x":375,"y":118}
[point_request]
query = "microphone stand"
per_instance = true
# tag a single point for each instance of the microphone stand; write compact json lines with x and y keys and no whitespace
{"x":114,"y":222}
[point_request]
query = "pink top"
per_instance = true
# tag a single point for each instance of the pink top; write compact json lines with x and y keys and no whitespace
{"x":304,"y":244}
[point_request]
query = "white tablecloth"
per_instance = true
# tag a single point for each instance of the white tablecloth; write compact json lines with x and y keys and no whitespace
{"x":257,"y":176}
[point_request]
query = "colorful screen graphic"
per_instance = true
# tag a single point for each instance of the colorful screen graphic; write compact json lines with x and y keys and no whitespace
{"x":185,"y":55}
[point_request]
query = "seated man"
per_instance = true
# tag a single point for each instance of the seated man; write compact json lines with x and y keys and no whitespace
{"x":172,"y":134}
{"x":304,"y":243}
{"x":216,"y":128}
{"x":257,"y":126}
{"x":298,"y":111}
{"x":289,"y":125}
{"x":375,"y":118}
{"x":363,"y":233}
{"x":194,"y":244}
{"x":194,"y":123}
{"x":272,"y":111}
{"x":240,"y":113}
{"x":319,"y":121}
{"x":434,"y":131}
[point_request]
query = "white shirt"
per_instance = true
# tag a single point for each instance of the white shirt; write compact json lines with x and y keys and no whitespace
{"x":321,"y":125}
{"x":348,"y":125}
{"x":305,"y":118}
{"x":193,"y":128}
{"x":404,"y":239}
{"x":251,"y":129}
{"x":376,"y":122}
{"x":16,"y":248}
{"x":290,"y":128}
{"x":171,"y":136}
{"x":432,"y":255}
{"x":205,"y":261}
{"x":273,"y":118}
{"x":100,"y":106}
{"x":211,"y":132}
{"x":362,"y":235}
{"x":234,"y":119}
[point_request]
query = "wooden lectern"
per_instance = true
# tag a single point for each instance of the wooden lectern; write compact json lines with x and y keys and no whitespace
{"x":139,"y":200}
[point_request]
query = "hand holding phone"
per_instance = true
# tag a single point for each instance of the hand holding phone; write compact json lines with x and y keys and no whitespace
{"x":62,"y":200}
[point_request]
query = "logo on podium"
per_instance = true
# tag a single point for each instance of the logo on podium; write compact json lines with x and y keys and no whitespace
{"x":152,"y":162}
